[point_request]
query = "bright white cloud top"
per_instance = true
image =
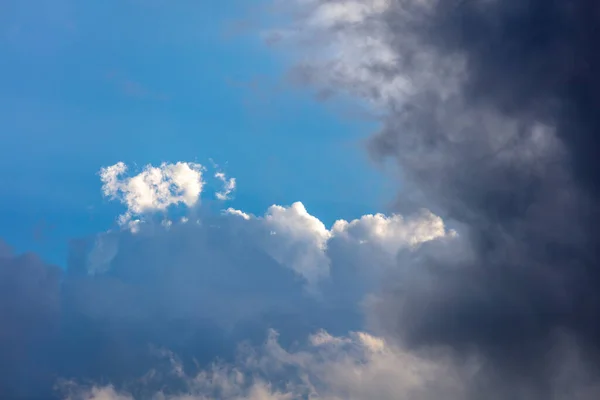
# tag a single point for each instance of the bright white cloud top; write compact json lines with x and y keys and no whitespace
{"x":154,"y":189}
{"x":290,"y":234}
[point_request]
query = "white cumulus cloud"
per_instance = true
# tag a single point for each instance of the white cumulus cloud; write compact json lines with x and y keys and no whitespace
{"x":154,"y":188}
{"x":300,"y":241}
{"x":395,"y":232}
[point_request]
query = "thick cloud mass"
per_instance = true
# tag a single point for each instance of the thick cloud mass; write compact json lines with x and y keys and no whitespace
{"x":490,"y":108}
{"x":192,"y":291}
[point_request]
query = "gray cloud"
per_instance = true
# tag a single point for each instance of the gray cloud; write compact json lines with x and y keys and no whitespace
{"x":194,"y":288}
{"x":197,"y":292}
{"x":490,"y":111}
{"x":29,"y":314}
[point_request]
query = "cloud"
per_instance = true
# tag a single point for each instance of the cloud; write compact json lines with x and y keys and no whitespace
{"x":29,"y":314}
{"x":395,"y":232}
{"x":299,"y":239}
{"x":153,"y":189}
{"x":228,"y":186}
{"x":197,"y":287}
{"x":301,"y":242}
{"x":487,"y":108}
{"x":290,"y":235}
{"x":358,"y":366}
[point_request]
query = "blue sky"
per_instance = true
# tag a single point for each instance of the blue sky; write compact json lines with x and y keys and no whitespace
{"x":87,"y":84}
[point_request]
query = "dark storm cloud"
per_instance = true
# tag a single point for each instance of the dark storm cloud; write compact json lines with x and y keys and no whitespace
{"x":510,"y":153}
{"x":491,"y":113}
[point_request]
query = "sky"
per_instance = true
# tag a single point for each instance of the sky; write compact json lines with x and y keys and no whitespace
{"x":301,"y":199}
{"x":86,"y":86}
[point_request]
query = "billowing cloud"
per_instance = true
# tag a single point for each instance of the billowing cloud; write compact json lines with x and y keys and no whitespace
{"x":195,"y":288}
{"x":290,"y":235}
{"x":489,"y":110}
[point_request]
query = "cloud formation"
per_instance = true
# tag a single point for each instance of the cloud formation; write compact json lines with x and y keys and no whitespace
{"x":357,"y":366}
{"x":153,"y":189}
{"x":196,"y":289}
{"x":489,"y":110}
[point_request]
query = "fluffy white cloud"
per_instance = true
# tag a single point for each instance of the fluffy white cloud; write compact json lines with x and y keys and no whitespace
{"x":393,"y":233}
{"x":154,"y":188}
{"x":299,"y":240}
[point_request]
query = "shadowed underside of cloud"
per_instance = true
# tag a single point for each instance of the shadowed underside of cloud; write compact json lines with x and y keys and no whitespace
{"x":192,"y":289}
{"x":490,"y":109}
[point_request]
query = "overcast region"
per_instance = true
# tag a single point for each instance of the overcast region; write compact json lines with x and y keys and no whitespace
{"x":482,"y":285}
{"x":489,"y":109}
